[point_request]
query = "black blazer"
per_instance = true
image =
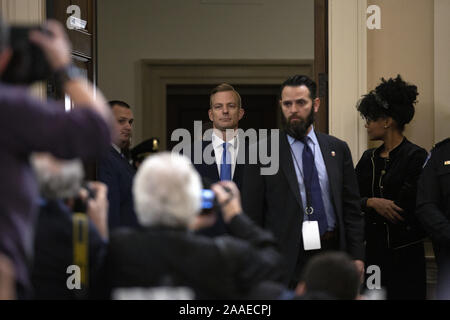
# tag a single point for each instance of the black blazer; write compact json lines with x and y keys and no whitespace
{"x":118,"y":174}
{"x":211,"y":172}
{"x":400,"y":185}
{"x":274,"y":201}
{"x":53,"y":253}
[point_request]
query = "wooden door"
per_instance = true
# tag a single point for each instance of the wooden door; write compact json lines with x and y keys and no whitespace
{"x":84,"y":47}
{"x":321,"y":61}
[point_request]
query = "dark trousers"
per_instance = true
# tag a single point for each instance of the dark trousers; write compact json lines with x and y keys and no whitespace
{"x":329,"y":242}
{"x":403,"y":271}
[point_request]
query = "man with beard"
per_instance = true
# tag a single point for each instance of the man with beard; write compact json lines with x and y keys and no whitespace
{"x":116,"y":172}
{"x":312,"y":203}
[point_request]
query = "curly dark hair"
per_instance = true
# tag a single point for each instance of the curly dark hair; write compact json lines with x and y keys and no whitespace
{"x":393,"y":98}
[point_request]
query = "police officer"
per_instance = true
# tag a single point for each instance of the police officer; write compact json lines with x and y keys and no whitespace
{"x":433,"y":210}
{"x":143,"y":150}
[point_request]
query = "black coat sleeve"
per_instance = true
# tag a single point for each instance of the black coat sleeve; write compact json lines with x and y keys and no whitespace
{"x":429,"y":202}
{"x":352,"y":214}
{"x":251,"y":252}
{"x":253,"y":194}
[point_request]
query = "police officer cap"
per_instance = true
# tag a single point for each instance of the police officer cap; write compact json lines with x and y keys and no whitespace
{"x":145,"y":148}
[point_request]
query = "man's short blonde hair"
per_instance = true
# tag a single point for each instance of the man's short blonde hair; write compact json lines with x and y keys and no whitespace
{"x":167,"y":191}
{"x":222,"y":88}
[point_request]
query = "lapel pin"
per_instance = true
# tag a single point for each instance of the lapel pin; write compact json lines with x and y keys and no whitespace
{"x":333,"y":153}
{"x":447,"y":163}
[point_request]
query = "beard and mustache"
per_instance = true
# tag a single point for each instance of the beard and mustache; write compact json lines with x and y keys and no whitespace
{"x":298,"y":129}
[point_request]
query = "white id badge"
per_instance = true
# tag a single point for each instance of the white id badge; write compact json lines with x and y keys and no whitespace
{"x":311,"y":235}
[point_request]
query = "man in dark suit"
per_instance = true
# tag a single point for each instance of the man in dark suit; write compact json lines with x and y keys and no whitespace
{"x":116,"y":172}
{"x":225,"y":112}
{"x":311,"y":203}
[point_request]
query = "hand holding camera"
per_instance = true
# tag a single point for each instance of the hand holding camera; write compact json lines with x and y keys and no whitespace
{"x":55,"y":44}
{"x":229,"y":199}
{"x":94,"y":196}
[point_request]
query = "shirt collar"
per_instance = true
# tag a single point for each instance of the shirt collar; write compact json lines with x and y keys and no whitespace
{"x":311,"y":135}
{"x":218,"y":141}
{"x":116,"y":148}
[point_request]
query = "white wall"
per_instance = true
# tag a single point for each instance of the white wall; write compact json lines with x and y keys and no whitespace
{"x":129,"y":31}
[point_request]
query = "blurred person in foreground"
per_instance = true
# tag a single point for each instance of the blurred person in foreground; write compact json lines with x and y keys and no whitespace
{"x":31,"y":125}
{"x":7,"y":279}
{"x":330,"y":276}
{"x":167,"y":256}
{"x":62,"y":194}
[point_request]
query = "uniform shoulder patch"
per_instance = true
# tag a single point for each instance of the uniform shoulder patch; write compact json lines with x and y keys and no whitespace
{"x":442,"y":143}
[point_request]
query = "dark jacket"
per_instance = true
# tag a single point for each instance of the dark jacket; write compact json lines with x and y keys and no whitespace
{"x":274,"y":201}
{"x":433,"y":211}
{"x":115,"y":171}
{"x":210,"y":175}
{"x":54,"y":254}
{"x":399,"y":183}
{"x":433,"y":196}
{"x":226,"y":267}
{"x":31,"y":125}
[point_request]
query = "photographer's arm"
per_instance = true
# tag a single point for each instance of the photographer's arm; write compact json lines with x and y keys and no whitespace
{"x":57,"y":50}
{"x":239,"y":224}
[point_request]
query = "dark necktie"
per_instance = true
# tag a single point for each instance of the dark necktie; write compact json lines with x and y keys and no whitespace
{"x":312,"y":187}
{"x":225,"y":166}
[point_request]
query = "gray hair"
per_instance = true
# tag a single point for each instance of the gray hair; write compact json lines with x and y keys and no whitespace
{"x":57,"y":179}
{"x":167,"y":191}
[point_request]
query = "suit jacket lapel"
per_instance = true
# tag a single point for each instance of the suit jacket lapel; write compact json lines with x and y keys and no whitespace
{"x":123,"y":160}
{"x":287,"y":165}
{"x":211,"y":170}
{"x":330,"y":163}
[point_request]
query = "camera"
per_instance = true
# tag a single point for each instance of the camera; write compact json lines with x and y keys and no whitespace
{"x":80,"y":205}
{"x":28,"y":63}
{"x":209,"y":202}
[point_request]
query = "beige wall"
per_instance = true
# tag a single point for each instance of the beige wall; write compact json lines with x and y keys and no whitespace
{"x":405,"y":45}
{"x":130,"y":31}
{"x":441,"y":69}
{"x":347,"y":71}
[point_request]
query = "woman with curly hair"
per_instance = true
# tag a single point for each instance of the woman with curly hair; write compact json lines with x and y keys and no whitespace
{"x":387,"y":178}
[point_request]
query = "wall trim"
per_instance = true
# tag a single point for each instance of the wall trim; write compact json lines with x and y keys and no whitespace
{"x":347,"y":71}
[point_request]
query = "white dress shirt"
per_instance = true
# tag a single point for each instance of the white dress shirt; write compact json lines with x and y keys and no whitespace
{"x":217,"y":143}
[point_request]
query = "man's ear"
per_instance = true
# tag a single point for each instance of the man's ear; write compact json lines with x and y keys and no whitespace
{"x":241,"y":112}
{"x":5,"y":57}
{"x":210,"y":114}
{"x":316,"y":104}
